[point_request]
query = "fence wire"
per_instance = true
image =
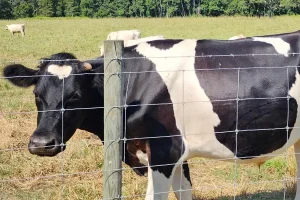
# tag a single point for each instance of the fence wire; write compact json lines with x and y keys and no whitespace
{"x":235,"y":183}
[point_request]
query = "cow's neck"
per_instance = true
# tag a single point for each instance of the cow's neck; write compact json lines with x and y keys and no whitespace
{"x":93,"y":121}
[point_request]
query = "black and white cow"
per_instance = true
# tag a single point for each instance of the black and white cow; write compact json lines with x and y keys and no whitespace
{"x":80,"y":94}
{"x":230,"y":100}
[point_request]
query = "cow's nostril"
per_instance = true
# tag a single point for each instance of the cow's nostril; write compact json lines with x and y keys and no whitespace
{"x":50,"y":145}
{"x":45,"y":144}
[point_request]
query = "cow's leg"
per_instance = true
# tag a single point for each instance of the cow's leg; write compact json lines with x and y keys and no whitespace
{"x":297,"y":155}
{"x":182,"y":184}
{"x":158,"y":183}
{"x":162,"y":157}
{"x":163,"y":154}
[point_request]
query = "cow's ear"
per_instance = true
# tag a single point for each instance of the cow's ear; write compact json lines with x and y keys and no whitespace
{"x":20,"y":75}
{"x":87,"y":66}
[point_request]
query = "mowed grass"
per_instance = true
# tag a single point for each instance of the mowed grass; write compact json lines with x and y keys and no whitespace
{"x":77,"y":172}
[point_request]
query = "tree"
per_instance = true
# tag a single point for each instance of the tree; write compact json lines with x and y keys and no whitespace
{"x":291,"y":6}
{"x":89,"y":8}
{"x":59,"y":7}
{"x":256,"y":7}
{"x":46,"y":8}
{"x":23,"y":9}
{"x":72,"y":8}
{"x":5,"y":9}
{"x":237,"y":7}
{"x":145,"y":8}
{"x":272,"y":7}
{"x":152,"y":8}
{"x":137,"y":8}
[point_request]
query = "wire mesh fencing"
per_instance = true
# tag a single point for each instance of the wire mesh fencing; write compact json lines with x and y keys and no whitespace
{"x":77,"y":172}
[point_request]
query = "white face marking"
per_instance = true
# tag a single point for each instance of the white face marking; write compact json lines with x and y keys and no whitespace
{"x":195,"y":119}
{"x":280,"y":46}
{"x":60,"y":71}
{"x":142,"y":157}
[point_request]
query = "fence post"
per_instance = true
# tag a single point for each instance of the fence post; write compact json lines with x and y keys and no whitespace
{"x":113,"y":124}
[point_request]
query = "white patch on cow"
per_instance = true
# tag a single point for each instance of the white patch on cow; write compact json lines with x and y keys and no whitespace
{"x":158,"y":185}
{"x":295,"y":93}
{"x":143,"y":158}
{"x":181,"y":186}
{"x":193,"y":110}
{"x":149,"y":193}
{"x":60,"y":71}
{"x":280,"y":46}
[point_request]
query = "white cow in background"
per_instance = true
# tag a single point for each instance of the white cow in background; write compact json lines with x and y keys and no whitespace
{"x":121,"y":35}
{"x":124,"y":35}
{"x":130,"y":38}
{"x":16,"y":28}
{"x":128,"y":43}
{"x":236,"y":37}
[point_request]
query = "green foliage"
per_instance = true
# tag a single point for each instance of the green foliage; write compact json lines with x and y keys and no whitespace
{"x":5,"y":9}
{"x":237,"y":7}
{"x":145,"y":8}
{"x":23,"y":8}
{"x":72,"y":8}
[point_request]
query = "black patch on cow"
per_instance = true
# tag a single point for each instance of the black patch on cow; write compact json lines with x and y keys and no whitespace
{"x":186,"y":171}
{"x":257,"y":92}
{"x":163,"y":44}
{"x":155,"y":121}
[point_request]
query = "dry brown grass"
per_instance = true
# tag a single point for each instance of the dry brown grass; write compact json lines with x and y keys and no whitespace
{"x":33,"y":177}
{"x":39,"y":178}
{"x":76,"y":173}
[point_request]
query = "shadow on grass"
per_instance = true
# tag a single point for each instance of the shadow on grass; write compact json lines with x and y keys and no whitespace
{"x":260,"y":195}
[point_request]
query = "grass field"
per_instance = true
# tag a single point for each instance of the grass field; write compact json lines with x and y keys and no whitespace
{"x":76,"y":173}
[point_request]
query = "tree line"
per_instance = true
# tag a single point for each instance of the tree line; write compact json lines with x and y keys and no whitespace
{"x":12,"y":9}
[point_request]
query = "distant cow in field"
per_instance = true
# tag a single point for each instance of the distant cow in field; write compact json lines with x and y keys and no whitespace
{"x":16,"y":28}
{"x":240,"y":36}
{"x":121,"y":35}
{"x":183,"y":100}
{"x":128,"y":43}
{"x":124,"y":35}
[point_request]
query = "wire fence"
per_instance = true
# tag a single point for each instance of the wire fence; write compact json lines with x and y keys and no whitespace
{"x":235,"y":159}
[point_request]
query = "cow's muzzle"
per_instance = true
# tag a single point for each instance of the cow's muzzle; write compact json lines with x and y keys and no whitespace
{"x":45,"y":144}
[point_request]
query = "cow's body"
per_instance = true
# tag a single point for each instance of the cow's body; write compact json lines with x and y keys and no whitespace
{"x":230,"y":100}
{"x":16,"y":28}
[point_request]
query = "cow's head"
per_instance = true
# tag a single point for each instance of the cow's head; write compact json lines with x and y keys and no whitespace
{"x":6,"y":27}
{"x":61,"y":94}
